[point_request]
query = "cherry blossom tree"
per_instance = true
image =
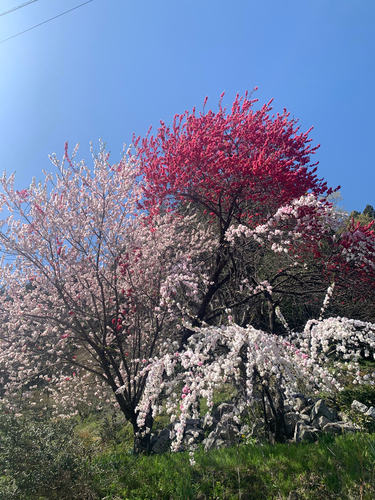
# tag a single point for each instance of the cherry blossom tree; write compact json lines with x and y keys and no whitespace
{"x":236,"y":166}
{"x":259,"y":366}
{"x":210,"y":236}
{"x":86,"y":281}
{"x":259,"y":363}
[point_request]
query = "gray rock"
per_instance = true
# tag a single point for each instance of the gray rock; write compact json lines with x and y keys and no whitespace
{"x":301,"y":402}
{"x":257,"y":428}
{"x":221,"y":443}
{"x":320,"y":410}
{"x":194,"y":430}
{"x":162,"y":444}
{"x":153,"y":440}
{"x":320,"y":422}
{"x":356,"y":405}
{"x":223,"y":409}
{"x":192,"y":422}
{"x":350,"y":427}
{"x":307,"y":410}
{"x":197,"y":435}
{"x":305,"y":418}
{"x":304,"y":432}
{"x":343,"y":417}
{"x":371,"y":412}
{"x":209,"y":422}
{"x":333,"y":428}
{"x":227,"y":431}
{"x":305,"y":425}
{"x":210,"y":441}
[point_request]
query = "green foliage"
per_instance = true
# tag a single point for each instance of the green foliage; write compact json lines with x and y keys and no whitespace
{"x":367,"y":216}
{"x":369,"y":212}
{"x":364,"y":394}
{"x":65,"y":460}
{"x":342,"y":468}
{"x":43,"y":460}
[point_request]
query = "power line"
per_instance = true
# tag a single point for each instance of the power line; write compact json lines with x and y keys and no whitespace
{"x":19,"y":7}
{"x":44,"y":22}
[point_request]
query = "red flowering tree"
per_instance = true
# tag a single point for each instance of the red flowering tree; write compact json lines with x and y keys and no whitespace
{"x":350,"y":263}
{"x":235,"y":166}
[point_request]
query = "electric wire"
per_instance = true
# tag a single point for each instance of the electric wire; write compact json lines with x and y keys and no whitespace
{"x":18,"y":7}
{"x":44,"y":22}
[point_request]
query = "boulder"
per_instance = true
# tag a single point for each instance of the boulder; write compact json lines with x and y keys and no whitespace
{"x":300,"y":403}
{"x":303,"y":432}
{"x":320,"y":422}
{"x":162,"y":444}
{"x":227,"y":431}
{"x":196,"y":434}
{"x":320,"y":410}
{"x":305,"y":418}
{"x":371,"y":412}
{"x":307,"y":410}
{"x":192,"y":423}
{"x":350,"y":427}
{"x":356,"y":405}
{"x":210,"y":441}
{"x":224,"y":409}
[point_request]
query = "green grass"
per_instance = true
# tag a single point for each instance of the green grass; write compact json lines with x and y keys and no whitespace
{"x":99,"y":449}
{"x":341,"y":468}
{"x":102,"y":466}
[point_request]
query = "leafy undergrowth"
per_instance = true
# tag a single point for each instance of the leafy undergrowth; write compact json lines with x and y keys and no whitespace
{"x":341,"y":468}
{"x":92,"y":460}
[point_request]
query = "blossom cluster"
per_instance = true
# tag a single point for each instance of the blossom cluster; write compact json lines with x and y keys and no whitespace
{"x":90,"y":288}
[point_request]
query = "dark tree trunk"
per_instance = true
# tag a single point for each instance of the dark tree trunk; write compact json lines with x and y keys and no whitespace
{"x":277,"y":410}
{"x":141,"y":440}
{"x":271,"y":315}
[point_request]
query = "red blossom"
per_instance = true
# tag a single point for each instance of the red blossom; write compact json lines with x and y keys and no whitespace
{"x":229,"y":160}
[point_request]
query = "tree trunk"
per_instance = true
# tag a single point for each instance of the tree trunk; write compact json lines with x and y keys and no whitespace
{"x":141,"y":439}
{"x":271,"y":315}
{"x":277,"y":410}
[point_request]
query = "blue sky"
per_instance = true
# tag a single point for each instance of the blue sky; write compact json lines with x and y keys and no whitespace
{"x":114,"y":67}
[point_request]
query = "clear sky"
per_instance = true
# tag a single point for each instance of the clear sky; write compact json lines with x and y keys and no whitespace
{"x":114,"y":67}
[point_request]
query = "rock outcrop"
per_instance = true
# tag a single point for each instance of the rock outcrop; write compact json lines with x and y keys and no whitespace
{"x":306,"y":420}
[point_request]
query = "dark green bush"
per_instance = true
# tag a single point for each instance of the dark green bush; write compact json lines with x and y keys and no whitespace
{"x":364,"y":394}
{"x":43,"y":460}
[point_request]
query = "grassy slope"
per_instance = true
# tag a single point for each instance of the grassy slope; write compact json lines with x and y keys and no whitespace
{"x":341,"y":468}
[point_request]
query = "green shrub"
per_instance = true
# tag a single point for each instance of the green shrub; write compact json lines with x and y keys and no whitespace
{"x":43,"y":460}
{"x":365,"y":394}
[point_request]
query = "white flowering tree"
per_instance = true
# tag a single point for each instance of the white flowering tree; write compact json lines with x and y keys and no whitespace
{"x":86,"y":281}
{"x":260,"y":363}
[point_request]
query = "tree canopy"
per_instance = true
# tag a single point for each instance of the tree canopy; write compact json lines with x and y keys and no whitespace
{"x":216,"y":228}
